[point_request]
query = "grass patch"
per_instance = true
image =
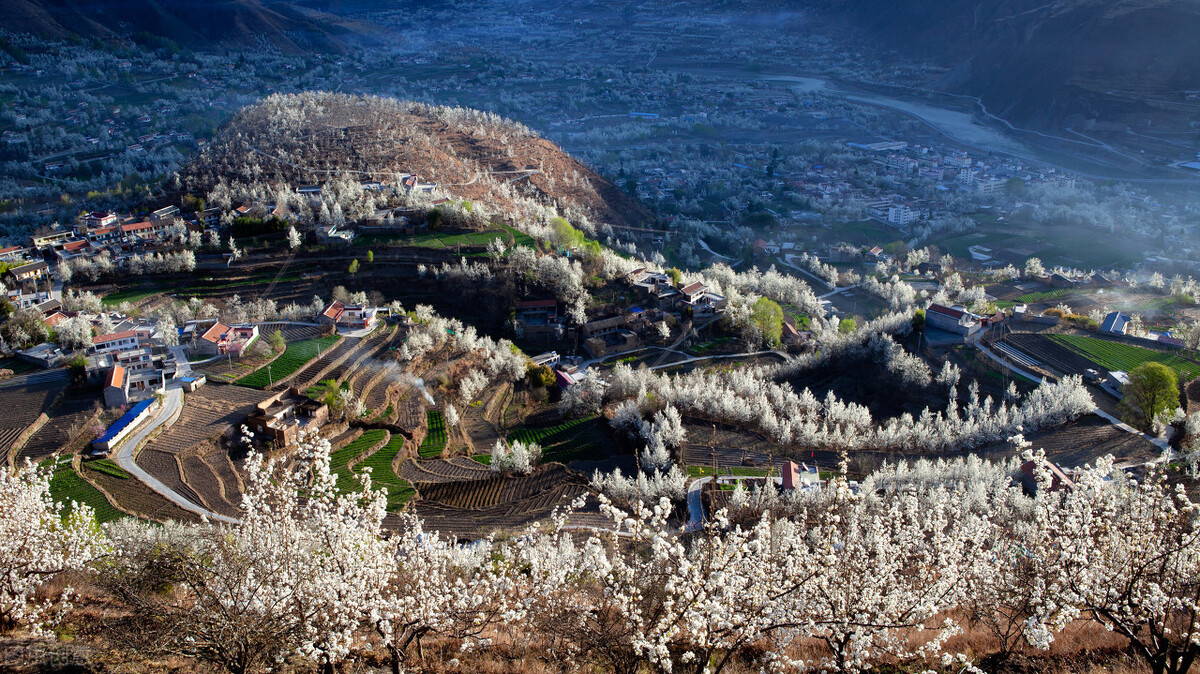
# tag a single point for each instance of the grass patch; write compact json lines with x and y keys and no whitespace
{"x":435,"y":440}
{"x":108,"y":467}
{"x":68,"y":487}
{"x":485,"y":459}
{"x":1118,"y":356}
{"x":129,"y":295}
{"x":297,"y":355}
{"x":339,"y":461}
{"x":575,"y":440}
{"x":1043,"y":296}
{"x":399,"y":490}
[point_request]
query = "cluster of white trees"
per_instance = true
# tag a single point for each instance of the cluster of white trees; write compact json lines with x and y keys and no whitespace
{"x":826,"y":272}
{"x":800,"y":420}
{"x":515,"y":457}
{"x":500,"y":359}
{"x":839,"y":580}
{"x":91,"y":269}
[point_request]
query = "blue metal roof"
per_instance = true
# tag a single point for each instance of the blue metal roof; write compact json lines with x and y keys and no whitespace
{"x":126,"y":419}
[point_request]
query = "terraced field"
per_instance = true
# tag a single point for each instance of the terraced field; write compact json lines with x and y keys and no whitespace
{"x":495,"y":489}
{"x":292,"y":333}
{"x":383,"y":474}
{"x":66,"y":486}
{"x":133,"y":496}
{"x":314,"y":371}
{"x":165,"y":467}
{"x":435,"y":439}
{"x":211,"y":489}
{"x":1082,"y":442}
{"x":57,"y":432}
{"x":434,"y":471}
{"x":1049,"y":354}
{"x":1120,"y":356}
{"x":506,"y":517}
{"x":22,"y":405}
{"x":572,"y":440}
{"x":211,"y":410}
{"x":294,"y":357}
{"x":340,"y":460}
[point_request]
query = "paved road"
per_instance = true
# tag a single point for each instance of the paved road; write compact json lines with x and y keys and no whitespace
{"x":695,"y":505}
{"x":172,"y":406}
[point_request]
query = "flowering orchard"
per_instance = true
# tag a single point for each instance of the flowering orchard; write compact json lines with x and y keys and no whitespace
{"x":840,"y":581}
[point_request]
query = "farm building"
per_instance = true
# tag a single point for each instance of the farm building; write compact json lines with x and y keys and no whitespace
{"x":221,"y":339}
{"x":116,"y":387}
{"x":116,"y":341}
{"x":121,"y":428}
{"x":1115,"y":323}
{"x":34,"y":271}
{"x":282,"y":417}
{"x":952,"y":320}
{"x":349,"y":315}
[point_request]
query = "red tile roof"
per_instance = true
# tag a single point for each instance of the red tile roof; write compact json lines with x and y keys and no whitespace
{"x":74,"y":245}
{"x":214,"y":333}
{"x":692,"y":288}
{"x":115,"y":377}
{"x":10,"y":249}
{"x":114,"y":337}
{"x":136,"y":226}
{"x":536,"y":304}
{"x":334,"y":310}
{"x":945,"y":311}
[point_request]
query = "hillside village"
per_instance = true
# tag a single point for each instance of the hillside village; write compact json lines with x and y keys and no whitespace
{"x":714,"y":345}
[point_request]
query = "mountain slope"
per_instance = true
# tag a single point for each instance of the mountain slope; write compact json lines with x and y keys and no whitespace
{"x":190,"y":23}
{"x":1040,"y":61}
{"x":285,"y":140}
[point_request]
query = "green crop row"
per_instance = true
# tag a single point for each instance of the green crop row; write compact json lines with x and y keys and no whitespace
{"x":296,"y":356}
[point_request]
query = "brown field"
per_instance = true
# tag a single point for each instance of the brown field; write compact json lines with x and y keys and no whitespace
{"x":208,"y":412}
{"x":495,"y":489}
{"x":1082,"y":442}
{"x":23,"y":404}
{"x":504,"y":517}
{"x":165,"y":467}
{"x":1049,"y":354}
{"x":729,"y":446}
{"x":292,"y":333}
{"x":315,"y":371}
{"x":205,"y":483}
{"x":134,"y":497}
{"x":65,"y":425}
{"x":432,"y":471}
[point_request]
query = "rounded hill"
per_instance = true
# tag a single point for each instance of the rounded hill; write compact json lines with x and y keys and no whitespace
{"x":310,"y":138}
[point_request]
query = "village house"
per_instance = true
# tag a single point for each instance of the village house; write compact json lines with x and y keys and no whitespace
{"x":221,"y":339}
{"x":350,"y":316}
{"x":1116,"y":323}
{"x":281,"y":418}
{"x":32,"y":272}
{"x":117,"y":341}
{"x":116,"y":387}
{"x":12,"y":254}
{"x":952,"y":320}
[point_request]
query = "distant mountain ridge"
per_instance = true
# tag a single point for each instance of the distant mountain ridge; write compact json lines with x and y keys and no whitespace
{"x":1037,"y":61}
{"x":190,"y":23}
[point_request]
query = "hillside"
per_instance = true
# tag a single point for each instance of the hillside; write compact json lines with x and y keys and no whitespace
{"x":1040,"y":62}
{"x":220,"y":23}
{"x":471,"y":155}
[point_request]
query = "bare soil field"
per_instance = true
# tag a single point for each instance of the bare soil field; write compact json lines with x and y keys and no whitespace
{"x":1082,"y":442}
{"x":208,"y":412}
{"x":495,"y":489}
{"x":22,"y":405}
{"x":207,"y":485}
{"x":315,"y":371}
{"x":434,"y":471}
{"x":134,"y":497}
{"x":506,"y":517}
{"x":65,"y":424}
{"x":1049,"y":354}
{"x":729,"y":446}
{"x":165,"y":467}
